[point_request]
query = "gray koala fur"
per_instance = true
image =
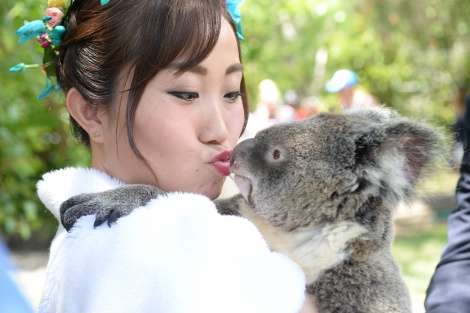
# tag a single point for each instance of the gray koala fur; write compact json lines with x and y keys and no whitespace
{"x":323,"y":192}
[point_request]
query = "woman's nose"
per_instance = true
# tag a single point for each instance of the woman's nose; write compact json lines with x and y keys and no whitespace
{"x":214,"y":129}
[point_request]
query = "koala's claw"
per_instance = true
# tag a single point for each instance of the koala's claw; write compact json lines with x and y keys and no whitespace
{"x":108,"y":206}
{"x":110,"y":216}
{"x":74,"y":208}
{"x":89,"y":204}
{"x":66,"y":221}
{"x":73,"y":201}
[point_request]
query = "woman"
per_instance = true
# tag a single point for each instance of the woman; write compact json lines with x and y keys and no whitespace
{"x":156,"y":89}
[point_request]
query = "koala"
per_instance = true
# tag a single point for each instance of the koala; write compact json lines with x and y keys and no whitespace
{"x":323,"y":192}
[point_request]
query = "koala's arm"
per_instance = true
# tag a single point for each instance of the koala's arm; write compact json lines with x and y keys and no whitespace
{"x":108,"y":206}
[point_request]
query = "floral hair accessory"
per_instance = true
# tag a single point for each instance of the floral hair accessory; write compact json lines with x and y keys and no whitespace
{"x":233,"y":7}
{"x":48,"y":32}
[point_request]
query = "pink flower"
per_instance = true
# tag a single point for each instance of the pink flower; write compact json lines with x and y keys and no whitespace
{"x":56,"y":16}
{"x":44,"y":41}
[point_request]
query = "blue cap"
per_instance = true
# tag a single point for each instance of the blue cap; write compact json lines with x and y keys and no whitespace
{"x":341,"y":79}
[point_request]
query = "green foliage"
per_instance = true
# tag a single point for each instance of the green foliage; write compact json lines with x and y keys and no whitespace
{"x":408,"y":53}
{"x":34,"y":136}
{"x":417,"y":249}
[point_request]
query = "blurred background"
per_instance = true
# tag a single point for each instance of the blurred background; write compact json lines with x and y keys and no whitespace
{"x":412,"y":56}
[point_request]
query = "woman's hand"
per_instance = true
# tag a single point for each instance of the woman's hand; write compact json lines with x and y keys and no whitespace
{"x":309,"y":304}
{"x":108,"y":206}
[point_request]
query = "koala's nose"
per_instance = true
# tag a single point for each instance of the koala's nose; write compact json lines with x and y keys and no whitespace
{"x":241,"y":151}
{"x":232,"y":161}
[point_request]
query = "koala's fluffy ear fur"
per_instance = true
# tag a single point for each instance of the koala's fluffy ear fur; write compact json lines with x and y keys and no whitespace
{"x":417,"y":143}
{"x":392,"y":152}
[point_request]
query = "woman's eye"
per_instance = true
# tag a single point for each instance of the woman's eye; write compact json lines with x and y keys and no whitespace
{"x":233,"y":96}
{"x":184,"y":95}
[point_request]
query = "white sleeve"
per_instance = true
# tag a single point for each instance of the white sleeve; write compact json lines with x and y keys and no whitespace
{"x":175,"y":255}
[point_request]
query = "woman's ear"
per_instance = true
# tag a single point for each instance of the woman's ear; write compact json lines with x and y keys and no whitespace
{"x":85,"y":114}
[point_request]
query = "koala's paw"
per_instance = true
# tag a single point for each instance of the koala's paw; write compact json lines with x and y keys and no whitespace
{"x":108,"y":206}
{"x":89,"y":204}
{"x":72,"y":209}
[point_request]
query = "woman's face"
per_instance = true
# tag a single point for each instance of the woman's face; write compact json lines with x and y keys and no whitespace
{"x":182,"y":123}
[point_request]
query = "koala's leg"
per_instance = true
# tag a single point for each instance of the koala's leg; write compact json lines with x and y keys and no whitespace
{"x":230,"y":206}
{"x":362,"y":287}
{"x":108,"y":206}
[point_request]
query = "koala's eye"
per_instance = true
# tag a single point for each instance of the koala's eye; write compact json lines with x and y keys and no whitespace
{"x":275,"y":155}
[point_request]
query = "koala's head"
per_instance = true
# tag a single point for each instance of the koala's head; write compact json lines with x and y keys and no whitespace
{"x":332,"y":167}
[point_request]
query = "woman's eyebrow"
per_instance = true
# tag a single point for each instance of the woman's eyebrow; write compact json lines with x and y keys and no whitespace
{"x":180,"y":69}
{"x":201,"y":70}
{"x":238,"y":67}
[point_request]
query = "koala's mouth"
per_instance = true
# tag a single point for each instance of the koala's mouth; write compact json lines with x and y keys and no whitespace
{"x":244,"y":185}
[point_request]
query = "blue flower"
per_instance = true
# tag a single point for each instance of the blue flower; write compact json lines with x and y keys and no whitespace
{"x":18,"y":67}
{"x":31,"y":30}
{"x":233,"y":7}
{"x":48,"y":89}
{"x":56,"y":34}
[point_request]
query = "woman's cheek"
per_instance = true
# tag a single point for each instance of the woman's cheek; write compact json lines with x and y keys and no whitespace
{"x":236,"y":121}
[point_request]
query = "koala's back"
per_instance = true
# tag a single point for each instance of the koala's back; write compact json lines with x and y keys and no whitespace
{"x":362,"y":286}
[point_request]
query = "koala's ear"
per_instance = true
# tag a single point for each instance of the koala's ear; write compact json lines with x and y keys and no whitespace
{"x":366,"y":146}
{"x":415,"y":142}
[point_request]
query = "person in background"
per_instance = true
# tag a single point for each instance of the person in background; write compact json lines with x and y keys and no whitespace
{"x":305,"y":108}
{"x":309,"y":107}
{"x":269,"y":109}
{"x":345,"y":83}
{"x":292,"y":100}
{"x":461,"y":98}
{"x":449,"y":289}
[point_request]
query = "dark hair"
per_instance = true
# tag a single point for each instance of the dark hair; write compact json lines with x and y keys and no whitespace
{"x":142,"y":36}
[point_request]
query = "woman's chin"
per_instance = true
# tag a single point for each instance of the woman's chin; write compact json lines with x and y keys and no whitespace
{"x":213,"y":194}
{"x":214,"y":190}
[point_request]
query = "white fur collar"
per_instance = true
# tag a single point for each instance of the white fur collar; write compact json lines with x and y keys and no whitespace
{"x":57,"y":186}
{"x":174,"y":255}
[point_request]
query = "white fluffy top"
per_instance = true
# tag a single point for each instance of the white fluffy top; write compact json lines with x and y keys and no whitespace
{"x":174,"y":255}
